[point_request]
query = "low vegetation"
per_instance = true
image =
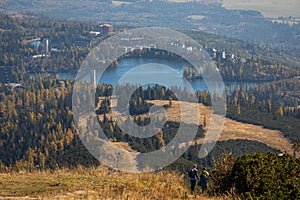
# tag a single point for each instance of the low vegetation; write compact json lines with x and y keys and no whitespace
{"x":95,"y":183}
{"x":267,"y":176}
{"x":257,"y":175}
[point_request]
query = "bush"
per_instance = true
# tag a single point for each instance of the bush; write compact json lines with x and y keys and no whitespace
{"x":221,"y":175}
{"x":267,"y":176}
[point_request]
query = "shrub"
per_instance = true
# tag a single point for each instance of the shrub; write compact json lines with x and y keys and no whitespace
{"x":267,"y":176}
{"x":221,"y":175}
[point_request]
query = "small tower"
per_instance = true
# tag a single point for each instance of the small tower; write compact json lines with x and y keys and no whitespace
{"x":46,"y":45}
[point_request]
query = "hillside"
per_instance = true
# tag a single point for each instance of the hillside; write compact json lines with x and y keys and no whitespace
{"x":94,"y":183}
{"x":49,"y":137}
{"x":42,"y":152}
{"x":273,"y":8}
{"x":264,"y":176}
{"x":232,"y":129}
{"x":242,"y":24}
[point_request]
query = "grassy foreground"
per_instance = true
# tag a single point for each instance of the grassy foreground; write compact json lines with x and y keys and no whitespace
{"x":92,"y":183}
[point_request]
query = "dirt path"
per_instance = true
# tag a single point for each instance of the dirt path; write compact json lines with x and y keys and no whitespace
{"x":117,"y":155}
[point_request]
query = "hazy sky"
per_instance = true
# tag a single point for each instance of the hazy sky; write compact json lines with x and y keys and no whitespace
{"x":269,"y":8}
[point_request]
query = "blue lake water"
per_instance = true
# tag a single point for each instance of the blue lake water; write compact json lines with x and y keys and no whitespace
{"x":151,"y":70}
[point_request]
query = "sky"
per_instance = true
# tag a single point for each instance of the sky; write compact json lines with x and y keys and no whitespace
{"x":269,"y":8}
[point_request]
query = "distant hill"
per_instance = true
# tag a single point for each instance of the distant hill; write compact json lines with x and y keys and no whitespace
{"x":269,"y":8}
{"x":241,"y":24}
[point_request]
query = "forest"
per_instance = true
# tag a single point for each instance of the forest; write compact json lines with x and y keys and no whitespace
{"x":38,"y":132}
{"x":38,"y":128}
{"x":272,"y":104}
{"x":252,"y":63}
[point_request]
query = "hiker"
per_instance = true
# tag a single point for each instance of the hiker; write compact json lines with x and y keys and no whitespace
{"x":203,"y":179}
{"x":193,"y":175}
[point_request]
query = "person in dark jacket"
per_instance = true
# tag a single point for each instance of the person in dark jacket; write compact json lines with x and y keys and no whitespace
{"x":193,"y":175}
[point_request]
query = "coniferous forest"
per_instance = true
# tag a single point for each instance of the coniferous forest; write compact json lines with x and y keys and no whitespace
{"x":38,"y":133}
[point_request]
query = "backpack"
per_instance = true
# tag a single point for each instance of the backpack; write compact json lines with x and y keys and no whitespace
{"x":192,"y":173}
{"x":203,"y":176}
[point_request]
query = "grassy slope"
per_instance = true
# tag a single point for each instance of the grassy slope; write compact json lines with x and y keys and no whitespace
{"x":97,"y":183}
{"x":232,"y":129}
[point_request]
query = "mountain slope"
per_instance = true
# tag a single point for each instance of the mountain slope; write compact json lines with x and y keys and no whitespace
{"x":233,"y":129}
{"x":94,"y":183}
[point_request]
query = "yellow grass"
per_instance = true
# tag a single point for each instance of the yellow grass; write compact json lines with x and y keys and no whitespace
{"x":94,"y":183}
{"x":232,"y":129}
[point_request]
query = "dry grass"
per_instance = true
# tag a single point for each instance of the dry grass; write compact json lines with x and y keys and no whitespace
{"x":97,"y":183}
{"x":231,"y":129}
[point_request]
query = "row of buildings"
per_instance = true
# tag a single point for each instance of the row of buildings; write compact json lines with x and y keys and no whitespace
{"x":44,"y":48}
{"x":217,"y":54}
{"x":102,"y":30}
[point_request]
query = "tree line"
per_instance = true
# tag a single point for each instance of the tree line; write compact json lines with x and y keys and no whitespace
{"x":37,"y":128}
{"x":62,"y":34}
